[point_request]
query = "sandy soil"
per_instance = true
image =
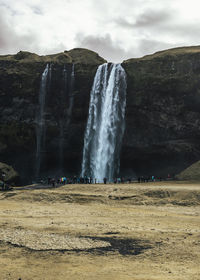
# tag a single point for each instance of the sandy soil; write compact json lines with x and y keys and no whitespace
{"x":128,"y":231}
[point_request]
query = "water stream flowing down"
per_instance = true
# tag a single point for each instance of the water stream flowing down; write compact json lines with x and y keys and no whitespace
{"x":40,"y":119}
{"x":106,"y":123}
{"x":67,"y":100}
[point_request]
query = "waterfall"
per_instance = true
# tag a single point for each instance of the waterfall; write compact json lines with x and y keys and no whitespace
{"x":106,"y":123}
{"x":71,"y":97}
{"x":40,"y":119}
{"x":61,"y":120}
{"x":67,"y":100}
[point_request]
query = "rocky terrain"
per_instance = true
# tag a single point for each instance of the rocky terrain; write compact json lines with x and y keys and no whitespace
{"x":191,"y":173}
{"x":123,"y":231}
{"x":162,"y":115}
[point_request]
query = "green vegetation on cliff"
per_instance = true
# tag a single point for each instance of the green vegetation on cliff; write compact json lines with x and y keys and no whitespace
{"x":76,"y":56}
{"x":167,"y":53}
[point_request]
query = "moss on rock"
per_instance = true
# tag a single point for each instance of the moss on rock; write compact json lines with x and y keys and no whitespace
{"x":8,"y":174}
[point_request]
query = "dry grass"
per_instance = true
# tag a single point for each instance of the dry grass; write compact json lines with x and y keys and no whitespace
{"x":77,"y":55}
{"x":130,"y":231}
{"x":169,"y":52}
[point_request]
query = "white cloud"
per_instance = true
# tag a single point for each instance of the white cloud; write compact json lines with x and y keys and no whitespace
{"x":116,"y":29}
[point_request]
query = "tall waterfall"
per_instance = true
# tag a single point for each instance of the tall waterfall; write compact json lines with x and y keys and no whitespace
{"x":106,"y":123}
{"x":40,"y":119}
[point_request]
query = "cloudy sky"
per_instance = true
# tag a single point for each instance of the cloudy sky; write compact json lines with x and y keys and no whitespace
{"x":116,"y":29}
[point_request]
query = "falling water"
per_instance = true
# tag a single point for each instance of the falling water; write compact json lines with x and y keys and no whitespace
{"x":106,"y":123}
{"x":71,"y":97}
{"x":61,"y":120}
{"x":40,"y":119}
{"x":68,"y":84}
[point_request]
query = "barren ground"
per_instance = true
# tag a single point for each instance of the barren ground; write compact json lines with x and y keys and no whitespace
{"x":127,"y":231}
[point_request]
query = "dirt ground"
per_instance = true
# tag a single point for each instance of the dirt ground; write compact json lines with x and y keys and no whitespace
{"x":133,"y":231}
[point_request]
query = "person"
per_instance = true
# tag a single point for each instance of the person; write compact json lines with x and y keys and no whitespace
{"x":64,"y":180}
{"x":49,"y":180}
{"x":82,"y":180}
{"x":53,"y":182}
{"x":2,"y":185}
{"x":105,"y":180}
{"x":75,"y":180}
{"x":86,"y":179}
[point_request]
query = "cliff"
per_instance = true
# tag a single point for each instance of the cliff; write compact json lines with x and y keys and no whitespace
{"x":163,"y":117}
{"x":162,"y":114}
{"x":20,"y":79}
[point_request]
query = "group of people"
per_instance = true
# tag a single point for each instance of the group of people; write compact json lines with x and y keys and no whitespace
{"x":80,"y":180}
{"x":146,"y":179}
{"x":71,"y":180}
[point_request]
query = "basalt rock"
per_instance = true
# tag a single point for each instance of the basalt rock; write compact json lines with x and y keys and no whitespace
{"x":20,"y":77}
{"x":163,"y":112}
{"x":162,"y":115}
{"x":8,"y":174}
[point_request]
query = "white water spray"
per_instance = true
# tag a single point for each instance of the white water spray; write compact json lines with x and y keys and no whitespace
{"x":106,"y":123}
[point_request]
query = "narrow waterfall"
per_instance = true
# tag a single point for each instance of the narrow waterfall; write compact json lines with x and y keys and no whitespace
{"x":63,"y":98}
{"x":40,"y":119}
{"x":71,"y":97}
{"x":67,"y":106}
{"x":106,"y":123}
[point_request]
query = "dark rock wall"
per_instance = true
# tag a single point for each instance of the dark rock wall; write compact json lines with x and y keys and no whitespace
{"x":162,"y":116}
{"x":19,"y":100}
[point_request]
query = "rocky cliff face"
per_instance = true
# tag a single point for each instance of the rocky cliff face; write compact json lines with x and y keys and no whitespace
{"x":163,"y":112}
{"x":162,"y":115}
{"x":20,"y":78}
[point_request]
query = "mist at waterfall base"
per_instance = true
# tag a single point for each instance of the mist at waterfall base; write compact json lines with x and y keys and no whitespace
{"x":106,"y":123}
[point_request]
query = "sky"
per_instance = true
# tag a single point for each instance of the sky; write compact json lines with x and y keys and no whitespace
{"x":116,"y":30}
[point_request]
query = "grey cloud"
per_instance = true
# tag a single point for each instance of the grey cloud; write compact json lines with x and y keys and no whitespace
{"x":10,"y":42}
{"x":6,"y":7}
{"x":124,"y":23}
{"x":146,"y":19}
{"x":190,"y":32}
{"x":104,"y":46}
{"x":146,"y":46}
{"x":37,"y":10}
{"x":150,"y":18}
